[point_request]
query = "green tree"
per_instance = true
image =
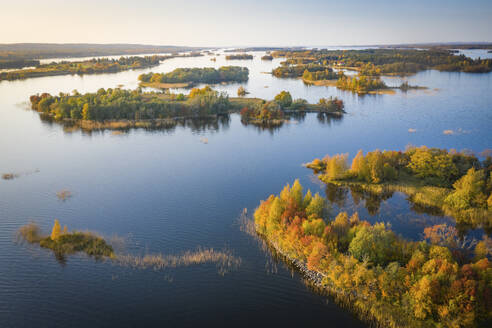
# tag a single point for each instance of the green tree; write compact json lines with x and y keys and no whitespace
{"x":296,"y":193}
{"x":468,"y":191}
{"x":316,"y":206}
{"x":376,"y":243}
{"x":284,"y":99}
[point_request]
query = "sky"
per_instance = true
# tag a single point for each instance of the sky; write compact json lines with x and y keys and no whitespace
{"x":245,"y":23}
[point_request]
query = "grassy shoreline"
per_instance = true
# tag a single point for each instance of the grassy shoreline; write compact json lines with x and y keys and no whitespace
{"x":161,"y":85}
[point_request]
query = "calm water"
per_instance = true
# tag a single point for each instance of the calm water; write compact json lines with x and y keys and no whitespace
{"x":167,"y":192}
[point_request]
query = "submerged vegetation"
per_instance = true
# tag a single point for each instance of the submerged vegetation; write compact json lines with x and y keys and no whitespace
{"x":190,"y":76}
{"x":387,"y":280}
{"x":64,"y":194}
{"x":457,"y":184}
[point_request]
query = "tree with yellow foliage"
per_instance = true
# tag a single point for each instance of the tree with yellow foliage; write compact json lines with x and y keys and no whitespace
{"x":56,"y":231}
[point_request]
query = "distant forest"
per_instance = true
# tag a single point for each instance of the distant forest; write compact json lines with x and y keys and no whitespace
{"x":18,"y":55}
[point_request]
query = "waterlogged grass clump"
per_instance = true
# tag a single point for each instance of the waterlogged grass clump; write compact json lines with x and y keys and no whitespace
{"x":63,"y":242}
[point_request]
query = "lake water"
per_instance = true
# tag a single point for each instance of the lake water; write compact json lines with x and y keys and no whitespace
{"x":168,"y":192}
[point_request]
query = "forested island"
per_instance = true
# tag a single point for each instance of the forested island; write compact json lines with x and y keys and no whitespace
{"x":18,"y":55}
{"x":317,"y":66}
{"x":386,"y":280}
{"x":447,"y":182}
{"x":239,"y":57}
{"x":185,"y":77}
{"x":367,"y":80}
{"x":93,"y":66}
{"x":124,"y":109}
{"x":388,"y":61}
{"x":274,"y":113}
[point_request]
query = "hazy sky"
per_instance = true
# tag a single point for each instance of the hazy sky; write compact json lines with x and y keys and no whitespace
{"x":233,"y":22}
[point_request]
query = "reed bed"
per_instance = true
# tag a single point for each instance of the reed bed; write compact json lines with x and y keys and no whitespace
{"x":224,"y":260}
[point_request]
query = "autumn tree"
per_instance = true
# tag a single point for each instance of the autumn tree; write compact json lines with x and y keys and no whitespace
{"x":284,"y":99}
{"x":56,"y":231}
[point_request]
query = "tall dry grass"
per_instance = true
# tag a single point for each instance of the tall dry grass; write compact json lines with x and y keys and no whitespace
{"x":224,"y":260}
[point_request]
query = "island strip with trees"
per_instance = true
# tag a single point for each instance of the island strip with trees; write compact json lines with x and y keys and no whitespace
{"x":92,"y":66}
{"x":124,"y":109}
{"x":186,"y":77}
{"x":239,"y":57}
{"x":19,"y":55}
{"x":450,"y":183}
{"x":318,"y":66}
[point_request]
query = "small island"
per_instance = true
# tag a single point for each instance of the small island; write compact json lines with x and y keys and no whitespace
{"x":186,"y":77}
{"x":267,"y":57}
{"x":385,"y":279}
{"x":120,"y":109}
{"x":452,"y":183}
{"x":63,"y":242}
{"x":239,"y":57}
{"x":366,"y":81}
{"x":274,"y":113}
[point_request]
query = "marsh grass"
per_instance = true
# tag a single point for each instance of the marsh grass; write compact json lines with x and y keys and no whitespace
{"x":15,"y":175}
{"x":10,"y":176}
{"x":96,"y":246}
{"x":224,"y":260}
{"x":64,"y":194}
{"x":30,"y":233}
